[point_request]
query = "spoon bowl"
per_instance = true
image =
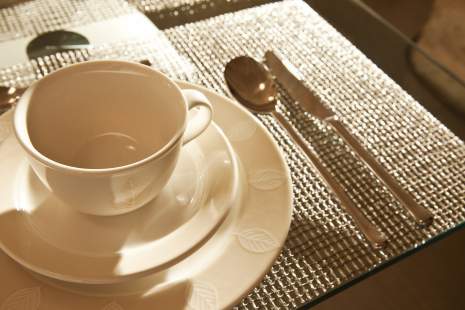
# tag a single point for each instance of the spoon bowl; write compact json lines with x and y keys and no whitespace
{"x":248,"y":80}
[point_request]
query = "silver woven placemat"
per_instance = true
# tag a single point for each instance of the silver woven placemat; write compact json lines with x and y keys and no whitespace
{"x":190,"y":7}
{"x":169,"y":13}
{"x":324,"y":249}
{"x":156,"y":49}
{"x":28,"y":18}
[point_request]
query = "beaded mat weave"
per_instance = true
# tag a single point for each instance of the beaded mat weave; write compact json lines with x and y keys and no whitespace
{"x":188,"y":7}
{"x":157,"y":49}
{"x":324,"y":249}
{"x":27,"y":18}
{"x":169,"y":13}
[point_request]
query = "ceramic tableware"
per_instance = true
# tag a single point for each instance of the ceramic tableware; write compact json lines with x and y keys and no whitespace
{"x":104,"y":136}
{"x":42,"y":234}
{"x":216,"y":276}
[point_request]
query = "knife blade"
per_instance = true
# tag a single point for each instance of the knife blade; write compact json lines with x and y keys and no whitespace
{"x":291,"y":79}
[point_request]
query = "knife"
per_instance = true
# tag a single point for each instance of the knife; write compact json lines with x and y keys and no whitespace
{"x":292,"y":80}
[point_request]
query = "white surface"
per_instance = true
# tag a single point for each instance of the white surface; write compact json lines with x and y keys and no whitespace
{"x":51,"y":238}
{"x":218,"y":274}
{"x":135,"y":26}
{"x":139,"y":112}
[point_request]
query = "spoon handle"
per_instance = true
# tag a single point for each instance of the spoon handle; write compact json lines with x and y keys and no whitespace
{"x":376,"y":238}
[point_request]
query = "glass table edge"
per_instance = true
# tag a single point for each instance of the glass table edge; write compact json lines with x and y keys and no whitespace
{"x":381,"y":267}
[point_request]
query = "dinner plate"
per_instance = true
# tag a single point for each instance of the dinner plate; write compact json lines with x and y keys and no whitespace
{"x":44,"y":235}
{"x":223,"y":270}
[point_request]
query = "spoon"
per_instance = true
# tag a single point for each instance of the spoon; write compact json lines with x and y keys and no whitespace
{"x":253,"y":86}
{"x":10,"y":95}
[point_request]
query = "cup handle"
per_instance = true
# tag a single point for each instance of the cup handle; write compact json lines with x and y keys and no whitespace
{"x":198,"y":119}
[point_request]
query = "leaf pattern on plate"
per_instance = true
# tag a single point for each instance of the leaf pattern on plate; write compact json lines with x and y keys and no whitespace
{"x":203,"y":297}
{"x":241,"y":131}
{"x":266,"y":179}
{"x":256,"y":240}
{"x":24,"y":299}
{"x":113,"y":306}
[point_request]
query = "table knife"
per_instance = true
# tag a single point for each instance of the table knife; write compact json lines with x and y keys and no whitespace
{"x":291,"y":79}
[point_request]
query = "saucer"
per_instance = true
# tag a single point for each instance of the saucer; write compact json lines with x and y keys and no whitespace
{"x":223,"y":270}
{"x":44,"y":235}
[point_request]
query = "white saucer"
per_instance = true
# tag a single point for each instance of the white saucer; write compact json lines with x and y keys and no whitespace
{"x":221,"y":272}
{"x":49,"y":238}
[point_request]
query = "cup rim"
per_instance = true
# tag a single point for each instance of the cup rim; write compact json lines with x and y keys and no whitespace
{"x":22,"y":135}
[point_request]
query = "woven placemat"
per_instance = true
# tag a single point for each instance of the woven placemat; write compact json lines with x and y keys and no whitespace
{"x":29,"y":18}
{"x":156,"y":49}
{"x":169,"y":13}
{"x":324,"y":249}
{"x":189,"y":7}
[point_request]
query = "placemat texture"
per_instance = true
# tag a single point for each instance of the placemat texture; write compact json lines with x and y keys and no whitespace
{"x":169,"y":13}
{"x":157,"y":49}
{"x":161,"y":5}
{"x":28,"y":18}
{"x":188,"y":7}
{"x":324,"y":249}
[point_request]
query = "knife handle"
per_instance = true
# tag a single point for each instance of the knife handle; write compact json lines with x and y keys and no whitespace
{"x":376,"y":238}
{"x":422,"y":216}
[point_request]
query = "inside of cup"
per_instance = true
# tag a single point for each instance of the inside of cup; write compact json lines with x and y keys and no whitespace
{"x":103,"y":115}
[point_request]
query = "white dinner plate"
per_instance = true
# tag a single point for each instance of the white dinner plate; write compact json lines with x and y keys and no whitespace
{"x":223,"y":270}
{"x":46,"y":236}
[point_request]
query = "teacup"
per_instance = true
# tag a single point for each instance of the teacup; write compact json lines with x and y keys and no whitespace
{"x":104,"y":136}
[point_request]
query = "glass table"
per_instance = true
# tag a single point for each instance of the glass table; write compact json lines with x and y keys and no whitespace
{"x":391,"y":51}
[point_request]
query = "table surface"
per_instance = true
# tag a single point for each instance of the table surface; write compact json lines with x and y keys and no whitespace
{"x":169,"y":15}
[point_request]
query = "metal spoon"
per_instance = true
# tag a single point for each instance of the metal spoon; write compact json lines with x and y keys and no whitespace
{"x":10,"y":95}
{"x":253,"y":86}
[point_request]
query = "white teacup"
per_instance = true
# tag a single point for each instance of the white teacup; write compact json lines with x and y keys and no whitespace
{"x":104,"y":136}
